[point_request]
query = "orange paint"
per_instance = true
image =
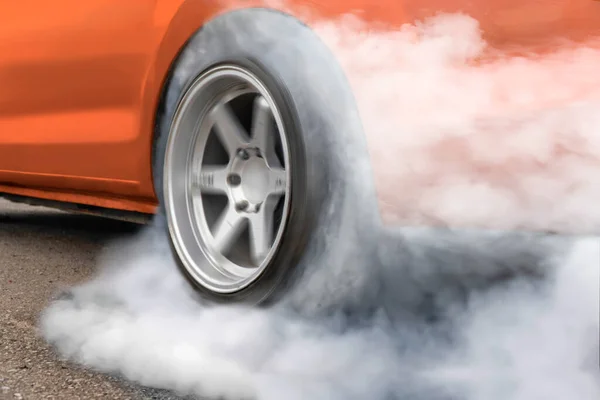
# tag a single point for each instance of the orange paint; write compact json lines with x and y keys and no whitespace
{"x":80,"y":81}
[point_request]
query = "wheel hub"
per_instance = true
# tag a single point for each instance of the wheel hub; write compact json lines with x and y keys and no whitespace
{"x":249,"y":180}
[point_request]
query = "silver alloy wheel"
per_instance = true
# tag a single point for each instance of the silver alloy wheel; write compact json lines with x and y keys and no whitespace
{"x":227,"y":179}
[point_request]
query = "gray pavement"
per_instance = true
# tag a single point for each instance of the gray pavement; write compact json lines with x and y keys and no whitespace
{"x":41,"y":252}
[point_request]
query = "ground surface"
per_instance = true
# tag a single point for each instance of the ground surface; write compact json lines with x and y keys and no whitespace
{"x":42,"y":251}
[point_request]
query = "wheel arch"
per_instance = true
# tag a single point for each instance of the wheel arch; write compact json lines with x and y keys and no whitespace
{"x":187,"y":19}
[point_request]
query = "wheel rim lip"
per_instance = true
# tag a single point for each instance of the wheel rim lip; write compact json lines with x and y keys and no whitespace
{"x":187,"y":234}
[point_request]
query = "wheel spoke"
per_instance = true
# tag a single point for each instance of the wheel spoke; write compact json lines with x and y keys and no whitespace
{"x":229,"y":129}
{"x":212,"y":179}
{"x":263,"y":135}
{"x":227,"y":229}
{"x":261,"y":231}
{"x":277,"y":181}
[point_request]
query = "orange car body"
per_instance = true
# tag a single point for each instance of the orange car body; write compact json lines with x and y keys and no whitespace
{"x":80,"y":81}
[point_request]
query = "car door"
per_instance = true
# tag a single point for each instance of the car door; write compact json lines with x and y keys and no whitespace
{"x":71,"y":81}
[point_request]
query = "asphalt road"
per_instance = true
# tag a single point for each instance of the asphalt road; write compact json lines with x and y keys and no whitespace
{"x":41,"y":252}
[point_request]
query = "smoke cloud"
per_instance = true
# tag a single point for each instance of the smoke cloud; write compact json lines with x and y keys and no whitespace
{"x":507,"y":143}
{"x":460,"y":314}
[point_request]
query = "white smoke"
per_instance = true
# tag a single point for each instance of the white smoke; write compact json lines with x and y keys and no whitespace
{"x":521,"y":343}
{"x":511,"y":142}
{"x":521,"y":340}
{"x":453,"y":143}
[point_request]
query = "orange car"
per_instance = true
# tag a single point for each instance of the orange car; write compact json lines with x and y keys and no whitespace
{"x":232,"y":119}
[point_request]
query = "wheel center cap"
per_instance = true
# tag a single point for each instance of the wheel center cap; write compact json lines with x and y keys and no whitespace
{"x":255,"y":180}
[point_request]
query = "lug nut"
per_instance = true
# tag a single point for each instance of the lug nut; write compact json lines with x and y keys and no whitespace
{"x":242,"y":205}
{"x":243,"y":154}
{"x":234,"y":179}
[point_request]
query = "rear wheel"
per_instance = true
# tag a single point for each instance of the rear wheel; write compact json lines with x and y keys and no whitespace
{"x":260,"y":162}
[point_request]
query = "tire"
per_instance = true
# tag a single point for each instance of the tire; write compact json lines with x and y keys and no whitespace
{"x":329,"y":195}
